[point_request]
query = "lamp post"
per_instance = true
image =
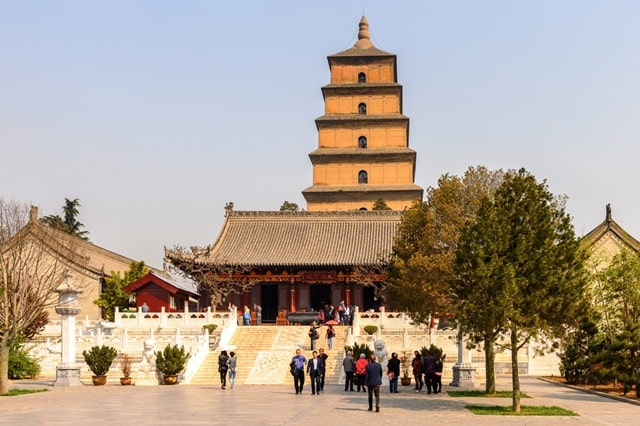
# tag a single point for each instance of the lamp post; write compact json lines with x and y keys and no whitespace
{"x":68,"y":372}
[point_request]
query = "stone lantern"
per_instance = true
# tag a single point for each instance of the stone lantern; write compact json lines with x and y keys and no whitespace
{"x":68,"y":372}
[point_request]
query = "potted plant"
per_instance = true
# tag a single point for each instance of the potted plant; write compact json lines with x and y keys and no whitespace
{"x":370,"y":329}
{"x":407,"y":367}
{"x":99,"y":360}
{"x":125,"y":368}
{"x":170,"y":362}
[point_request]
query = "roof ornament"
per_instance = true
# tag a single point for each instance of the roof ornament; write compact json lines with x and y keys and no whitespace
{"x":33,"y":214}
{"x":228,"y":208}
{"x":608,"y":212}
{"x":364,"y":36}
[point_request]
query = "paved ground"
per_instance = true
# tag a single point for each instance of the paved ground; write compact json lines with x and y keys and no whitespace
{"x":278,"y":405}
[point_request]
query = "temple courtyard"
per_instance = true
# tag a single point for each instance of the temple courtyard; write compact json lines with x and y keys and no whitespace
{"x":278,"y":405}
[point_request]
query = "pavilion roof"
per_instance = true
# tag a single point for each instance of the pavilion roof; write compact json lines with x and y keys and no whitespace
{"x":303,"y":239}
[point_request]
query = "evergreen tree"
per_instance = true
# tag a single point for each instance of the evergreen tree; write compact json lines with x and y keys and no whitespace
{"x":380,"y":204}
{"x":114,"y":296}
{"x":69,"y":223}
{"x":520,"y":269}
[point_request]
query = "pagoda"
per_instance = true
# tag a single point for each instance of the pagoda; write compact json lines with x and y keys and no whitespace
{"x":363,"y":150}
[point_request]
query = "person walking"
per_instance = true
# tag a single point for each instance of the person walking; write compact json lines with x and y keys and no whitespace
{"x":429,"y":369}
{"x":298,"y":362}
{"x":246,"y":316}
{"x":437,"y":386}
{"x":315,"y":369}
{"x":330,"y":335}
{"x":223,"y":366}
{"x":232,"y":363}
{"x":416,"y":363}
{"x":313,"y":334}
{"x":323,"y":356}
{"x":373,"y":380}
{"x":361,"y":371}
{"x":394,"y":372}
{"x":349,"y":366}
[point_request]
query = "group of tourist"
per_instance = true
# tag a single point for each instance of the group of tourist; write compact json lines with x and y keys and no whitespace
{"x":335,"y":315}
{"x":429,"y":367}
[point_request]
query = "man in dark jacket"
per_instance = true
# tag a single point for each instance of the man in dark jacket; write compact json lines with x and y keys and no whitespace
{"x":429,"y":370}
{"x":373,"y":380}
{"x":394,"y":372}
{"x":315,"y":369}
{"x":349,"y":365}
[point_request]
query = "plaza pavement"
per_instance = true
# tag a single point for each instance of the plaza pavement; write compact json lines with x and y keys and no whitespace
{"x":278,"y":405}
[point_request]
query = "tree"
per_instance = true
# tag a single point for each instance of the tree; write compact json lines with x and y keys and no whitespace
{"x":69,"y":223}
{"x":520,"y":269}
{"x":30,"y":273}
{"x":421,"y":270}
{"x":288,"y":207}
{"x":114,"y":296}
{"x":380,"y":204}
{"x":218,"y":280}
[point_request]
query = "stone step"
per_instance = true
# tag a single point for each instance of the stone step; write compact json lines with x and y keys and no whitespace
{"x":264,"y":354}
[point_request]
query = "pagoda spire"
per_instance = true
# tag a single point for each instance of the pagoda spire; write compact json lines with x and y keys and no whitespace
{"x":364,"y":37}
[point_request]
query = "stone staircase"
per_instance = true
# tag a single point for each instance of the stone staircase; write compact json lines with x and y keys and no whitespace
{"x":264,"y":354}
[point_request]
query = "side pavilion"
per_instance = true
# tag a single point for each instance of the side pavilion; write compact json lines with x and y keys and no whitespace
{"x":294,"y":261}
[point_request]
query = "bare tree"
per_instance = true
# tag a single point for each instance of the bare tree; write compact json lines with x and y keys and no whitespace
{"x":373,"y":275}
{"x":31,"y":269}
{"x":218,"y":279}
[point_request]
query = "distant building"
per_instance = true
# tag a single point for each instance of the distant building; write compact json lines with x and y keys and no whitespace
{"x":161,"y":290}
{"x":606,"y":240}
{"x":339,"y":249}
{"x":87,"y":263}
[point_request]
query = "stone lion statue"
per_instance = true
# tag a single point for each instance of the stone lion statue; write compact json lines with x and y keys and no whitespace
{"x":380,"y":351}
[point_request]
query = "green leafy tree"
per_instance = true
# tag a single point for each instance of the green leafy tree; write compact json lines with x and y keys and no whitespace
{"x":380,"y":204}
{"x":69,"y":223}
{"x":520,"y":269}
{"x":421,"y":270}
{"x":622,"y":357}
{"x":114,"y":296}
{"x":288,"y":207}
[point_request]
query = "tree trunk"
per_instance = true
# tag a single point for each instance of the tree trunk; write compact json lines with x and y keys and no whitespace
{"x":515,"y":379}
{"x":4,"y":367}
{"x":489,"y":365}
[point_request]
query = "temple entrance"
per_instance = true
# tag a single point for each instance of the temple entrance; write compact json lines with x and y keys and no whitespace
{"x":269,"y":299}
{"x":320,"y":296}
{"x":369,"y":301}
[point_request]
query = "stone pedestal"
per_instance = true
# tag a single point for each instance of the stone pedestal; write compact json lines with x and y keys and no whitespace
{"x":464,"y":376}
{"x":67,"y":375}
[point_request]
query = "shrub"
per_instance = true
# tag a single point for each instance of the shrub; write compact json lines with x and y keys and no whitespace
{"x":210,"y":327}
{"x":359,"y":349}
{"x":100,"y":358}
{"x":172,"y":360}
{"x":370,"y":329}
{"x":125,"y":365}
{"x":21,"y":364}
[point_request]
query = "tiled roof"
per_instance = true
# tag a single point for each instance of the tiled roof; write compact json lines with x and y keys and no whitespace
{"x":609,"y":226}
{"x":304,"y":239}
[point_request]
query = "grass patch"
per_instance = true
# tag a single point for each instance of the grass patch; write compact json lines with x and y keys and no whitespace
{"x":525,"y":410}
{"x":483,"y":394}
{"x":14,"y":392}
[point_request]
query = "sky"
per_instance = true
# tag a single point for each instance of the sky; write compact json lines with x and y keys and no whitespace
{"x":155,"y":114}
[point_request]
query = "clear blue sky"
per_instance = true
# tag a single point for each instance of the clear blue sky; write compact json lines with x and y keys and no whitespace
{"x":156,"y":113}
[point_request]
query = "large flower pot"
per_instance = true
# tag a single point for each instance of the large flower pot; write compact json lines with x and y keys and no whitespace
{"x":124,"y":381}
{"x":99,"y":380}
{"x":170,"y":379}
{"x":405,"y":381}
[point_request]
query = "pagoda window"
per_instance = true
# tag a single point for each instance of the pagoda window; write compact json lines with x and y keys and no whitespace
{"x":363,"y":209}
{"x":362,"y":142}
{"x":363,"y":177}
{"x":362,"y":109}
{"x":362,"y":78}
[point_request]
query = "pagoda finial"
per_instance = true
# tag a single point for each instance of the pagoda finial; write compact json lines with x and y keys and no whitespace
{"x":608,"y":213}
{"x":364,"y":37}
